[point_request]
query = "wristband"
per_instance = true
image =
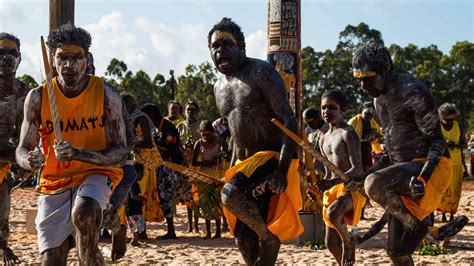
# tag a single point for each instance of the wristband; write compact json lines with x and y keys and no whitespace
{"x":422,"y":180}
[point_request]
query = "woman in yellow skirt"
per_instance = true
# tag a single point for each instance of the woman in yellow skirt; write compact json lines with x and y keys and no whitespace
{"x":456,"y":141}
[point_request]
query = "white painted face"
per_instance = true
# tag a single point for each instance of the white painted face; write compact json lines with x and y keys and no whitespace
{"x":330,"y":111}
{"x":71,"y":63}
{"x":10,"y":57}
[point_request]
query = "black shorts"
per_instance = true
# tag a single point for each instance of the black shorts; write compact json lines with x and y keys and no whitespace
{"x":256,"y":189}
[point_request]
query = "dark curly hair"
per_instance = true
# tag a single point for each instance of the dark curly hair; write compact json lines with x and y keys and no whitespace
{"x":448,"y":109}
{"x":227,"y":25}
{"x":338,"y":97}
{"x":4,"y":35}
{"x":69,"y":34}
{"x":373,"y":55}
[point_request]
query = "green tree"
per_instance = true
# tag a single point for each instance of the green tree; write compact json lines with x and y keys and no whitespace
{"x":329,"y":70}
{"x":354,"y":36}
{"x":459,"y":66}
{"x":29,"y":81}
{"x":138,"y":85}
{"x":197,"y":84}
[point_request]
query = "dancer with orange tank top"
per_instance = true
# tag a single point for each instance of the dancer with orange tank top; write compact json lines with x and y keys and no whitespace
{"x":77,"y":175}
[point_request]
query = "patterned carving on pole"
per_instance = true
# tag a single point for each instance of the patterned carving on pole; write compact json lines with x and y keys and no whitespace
{"x":284,"y":48}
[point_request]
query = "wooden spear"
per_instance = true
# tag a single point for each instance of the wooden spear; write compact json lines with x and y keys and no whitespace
{"x":310,"y":149}
{"x":193,"y":174}
{"x":52,"y":97}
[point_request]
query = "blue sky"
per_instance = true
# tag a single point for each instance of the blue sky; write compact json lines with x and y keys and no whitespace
{"x":160,"y":35}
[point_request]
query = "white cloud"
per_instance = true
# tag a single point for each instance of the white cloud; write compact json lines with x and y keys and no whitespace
{"x":11,"y":12}
{"x":111,"y":38}
{"x":256,"y":45}
{"x":174,"y":46}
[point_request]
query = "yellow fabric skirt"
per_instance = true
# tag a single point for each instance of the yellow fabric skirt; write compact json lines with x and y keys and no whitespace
{"x":151,"y":159}
{"x":450,"y":201}
{"x":283,"y":219}
{"x":434,"y":190}
{"x":358,"y":202}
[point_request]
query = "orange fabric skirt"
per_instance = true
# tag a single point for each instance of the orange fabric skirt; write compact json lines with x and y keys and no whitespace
{"x":358,"y":201}
{"x":283,"y":219}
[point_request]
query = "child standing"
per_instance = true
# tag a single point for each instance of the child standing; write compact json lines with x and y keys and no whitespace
{"x":206,"y":155}
{"x":341,"y":145}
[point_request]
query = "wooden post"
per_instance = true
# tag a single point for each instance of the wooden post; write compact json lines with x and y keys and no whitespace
{"x":60,"y":12}
{"x":284,"y":48}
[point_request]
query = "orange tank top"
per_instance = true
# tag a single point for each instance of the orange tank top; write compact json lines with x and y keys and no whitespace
{"x":82,"y":124}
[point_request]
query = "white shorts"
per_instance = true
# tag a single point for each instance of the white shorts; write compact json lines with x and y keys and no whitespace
{"x":54,"y":221}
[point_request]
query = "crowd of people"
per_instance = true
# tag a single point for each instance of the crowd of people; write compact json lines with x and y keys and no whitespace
{"x":99,"y":155}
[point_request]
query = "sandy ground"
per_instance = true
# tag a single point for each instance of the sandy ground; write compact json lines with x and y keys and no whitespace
{"x":192,"y":249}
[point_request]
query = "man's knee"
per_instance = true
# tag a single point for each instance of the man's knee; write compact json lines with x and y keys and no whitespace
{"x":373,"y":186}
{"x":86,"y":213}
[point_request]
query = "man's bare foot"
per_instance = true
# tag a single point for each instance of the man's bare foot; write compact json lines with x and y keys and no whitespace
{"x":348,"y":252}
{"x":119,"y":243}
{"x":167,"y":236}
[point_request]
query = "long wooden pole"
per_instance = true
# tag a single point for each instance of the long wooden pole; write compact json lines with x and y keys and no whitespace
{"x":60,"y":12}
{"x":284,"y":48}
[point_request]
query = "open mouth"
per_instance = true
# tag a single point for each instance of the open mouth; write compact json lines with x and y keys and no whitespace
{"x":224,"y":62}
{"x":69,"y":75}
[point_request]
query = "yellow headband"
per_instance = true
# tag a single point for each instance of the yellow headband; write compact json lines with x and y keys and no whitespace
{"x":8,"y":44}
{"x":70,"y":48}
{"x":217,"y":35}
{"x":308,"y":120}
{"x":358,"y":74}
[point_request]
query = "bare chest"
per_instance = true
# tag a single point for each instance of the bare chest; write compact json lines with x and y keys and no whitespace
{"x":236,"y":95}
{"x":332,"y":144}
